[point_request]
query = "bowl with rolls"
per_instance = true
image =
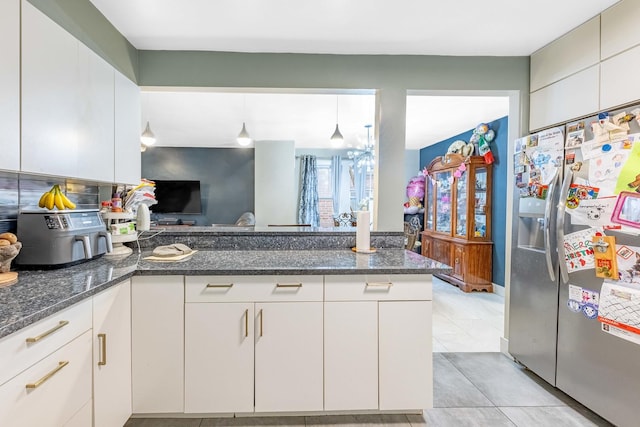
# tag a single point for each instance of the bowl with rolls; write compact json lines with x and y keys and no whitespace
{"x":9,"y":249}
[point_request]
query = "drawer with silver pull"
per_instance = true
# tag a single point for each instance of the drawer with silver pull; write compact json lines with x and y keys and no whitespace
{"x":378,"y":287}
{"x":25,"y":347}
{"x":253,"y":288}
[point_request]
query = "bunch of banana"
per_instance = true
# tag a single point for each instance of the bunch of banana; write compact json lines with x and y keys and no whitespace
{"x":55,"y":198}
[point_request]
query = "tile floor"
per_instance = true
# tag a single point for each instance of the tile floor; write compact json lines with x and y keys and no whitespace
{"x":474,"y":384}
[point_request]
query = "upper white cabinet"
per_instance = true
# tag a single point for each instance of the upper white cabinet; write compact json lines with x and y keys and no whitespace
{"x":10,"y":84}
{"x":620,"y":29}
{"x":95,"y":109}
{"x":571,"y":53}
{"x":616,"y":87}
{"x":50,"y":96}
{"x":80,"y":117}
{"x":127,"y":131}
{"x":569,"y":98}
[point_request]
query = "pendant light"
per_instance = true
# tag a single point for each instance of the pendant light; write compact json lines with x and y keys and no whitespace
{"x":243,"y":137}
{"x":147,"y":138}
{"x":337,"y":138}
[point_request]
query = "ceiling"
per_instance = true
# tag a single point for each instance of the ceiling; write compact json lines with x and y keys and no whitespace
{"x":416,"y":27}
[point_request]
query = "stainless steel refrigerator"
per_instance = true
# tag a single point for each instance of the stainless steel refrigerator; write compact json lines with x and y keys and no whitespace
{"x":557,"y":338}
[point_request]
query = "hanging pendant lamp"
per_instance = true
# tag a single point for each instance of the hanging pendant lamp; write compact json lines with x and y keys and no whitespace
{"x":147,"y":138}
{"x":337,"y":138}
{"x":243,"y":137}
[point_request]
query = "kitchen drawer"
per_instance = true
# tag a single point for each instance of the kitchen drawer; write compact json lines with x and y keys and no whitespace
{"x":378,"y":287}
{"x":253,"y":288}
{"x":51,"y":333}
{"x":61,"y":390}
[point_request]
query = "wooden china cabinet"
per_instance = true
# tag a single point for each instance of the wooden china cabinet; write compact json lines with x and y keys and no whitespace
{"x":457,"y":220}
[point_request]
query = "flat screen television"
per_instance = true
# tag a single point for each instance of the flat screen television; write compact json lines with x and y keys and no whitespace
{"x":177,"y":197}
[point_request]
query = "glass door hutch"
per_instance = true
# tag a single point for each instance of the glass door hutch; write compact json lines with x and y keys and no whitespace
{"x":457,"y":220}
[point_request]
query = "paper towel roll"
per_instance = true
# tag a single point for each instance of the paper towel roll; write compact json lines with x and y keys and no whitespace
{"x":363,"y":243}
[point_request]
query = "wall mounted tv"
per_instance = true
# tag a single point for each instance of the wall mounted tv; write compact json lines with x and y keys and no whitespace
{"x":177,"y":197}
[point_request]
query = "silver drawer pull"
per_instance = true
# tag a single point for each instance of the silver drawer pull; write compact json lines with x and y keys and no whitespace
{"x":288,"y":285}
{"x":216,"y":285}
{"x":38,"y":383}
{"x":60,"y":325}
{"x":380,"y":284}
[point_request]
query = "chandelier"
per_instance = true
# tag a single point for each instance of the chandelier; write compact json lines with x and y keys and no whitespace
{"x":365,"y":157}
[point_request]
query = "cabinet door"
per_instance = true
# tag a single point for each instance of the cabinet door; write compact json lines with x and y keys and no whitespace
{"x":428,"y":204}
{"x":406,"y":365}
{"x":350,"y":355}
{"x":10,"y":84}
{"x":112,"y":355}
{"x":443,"y":201}
{"x":157,"y":344}
{"x":218,"y":357}
{"x":127,"y":130}
{"x":50,"y":96}
{"x":481,"y":204}
{"x":95,"y":113}
{"x":441,"y":251}
{"x":461,"y":206}
{"x":458,"y":261}
{"x":288,"y":357}
{"x":61,"y":386}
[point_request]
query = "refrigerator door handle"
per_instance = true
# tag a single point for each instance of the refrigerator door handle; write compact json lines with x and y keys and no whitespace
{"x":547,"y":224}
{"x":562,"y":206}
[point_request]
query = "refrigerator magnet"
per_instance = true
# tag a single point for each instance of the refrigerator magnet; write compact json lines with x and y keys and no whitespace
{"x":604,"y":252}
{"x":627,"y":209}
{"x":590,"y":311}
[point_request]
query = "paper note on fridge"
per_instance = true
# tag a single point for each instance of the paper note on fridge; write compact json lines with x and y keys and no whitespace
{"x":620,"y":306}
{"x":578,"y":249}
{"x":605,"y":168}
{"x":593,"y":212}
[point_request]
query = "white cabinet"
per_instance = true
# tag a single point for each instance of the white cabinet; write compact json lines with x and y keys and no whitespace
{"x":377,"y":332}
{"x":157,"y":344}
{"x":406,"y":360}
{"x":10,"y":84}
{"x":219,"y":357}
{"x":127,"y":131}
{"x":575,"y":96}
{"x":50,"y":96}
{"x":620,"y":30}
{"x":350,"y":355}
{"x":236,"y":326}
{"x":616,"y":88}
{"x":112,"y":355}
{"x":288,"y":365}
{"x":573,"y":52}
{"x":96,"y":115}
{"x":52,"y":391}
{"x":67,"y":103}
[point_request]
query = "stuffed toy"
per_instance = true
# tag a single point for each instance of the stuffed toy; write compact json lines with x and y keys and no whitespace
{"x":482,"y":136}
{"x":415,"y":193}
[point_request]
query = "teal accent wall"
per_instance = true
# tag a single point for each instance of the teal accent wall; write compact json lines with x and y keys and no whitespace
{"x":499,"y":148}
{"x":87,"y":24}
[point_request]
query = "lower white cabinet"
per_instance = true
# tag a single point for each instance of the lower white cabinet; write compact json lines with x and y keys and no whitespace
{"x":218,"y":371}
{"x":406,"y":360}
{"x":351,"y":355}
{"x":157,"y":344}
{"x":253,"y":344}
{"x":288,"y":353}
{"x":377,"y":334}
{"x":51,"y":392}
{"x":112,"y":355}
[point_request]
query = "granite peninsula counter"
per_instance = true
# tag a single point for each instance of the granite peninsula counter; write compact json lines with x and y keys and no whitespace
{"x":41,"y":293}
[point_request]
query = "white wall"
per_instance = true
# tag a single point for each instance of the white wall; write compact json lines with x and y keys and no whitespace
{"x":275,"y":183}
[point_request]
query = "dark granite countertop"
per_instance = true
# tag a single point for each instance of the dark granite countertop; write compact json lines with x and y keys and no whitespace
{"x":41,"y":293}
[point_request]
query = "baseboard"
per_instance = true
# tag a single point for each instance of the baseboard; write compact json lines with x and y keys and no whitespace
{"x":504,"y":347}
{"x":497,"y":289}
